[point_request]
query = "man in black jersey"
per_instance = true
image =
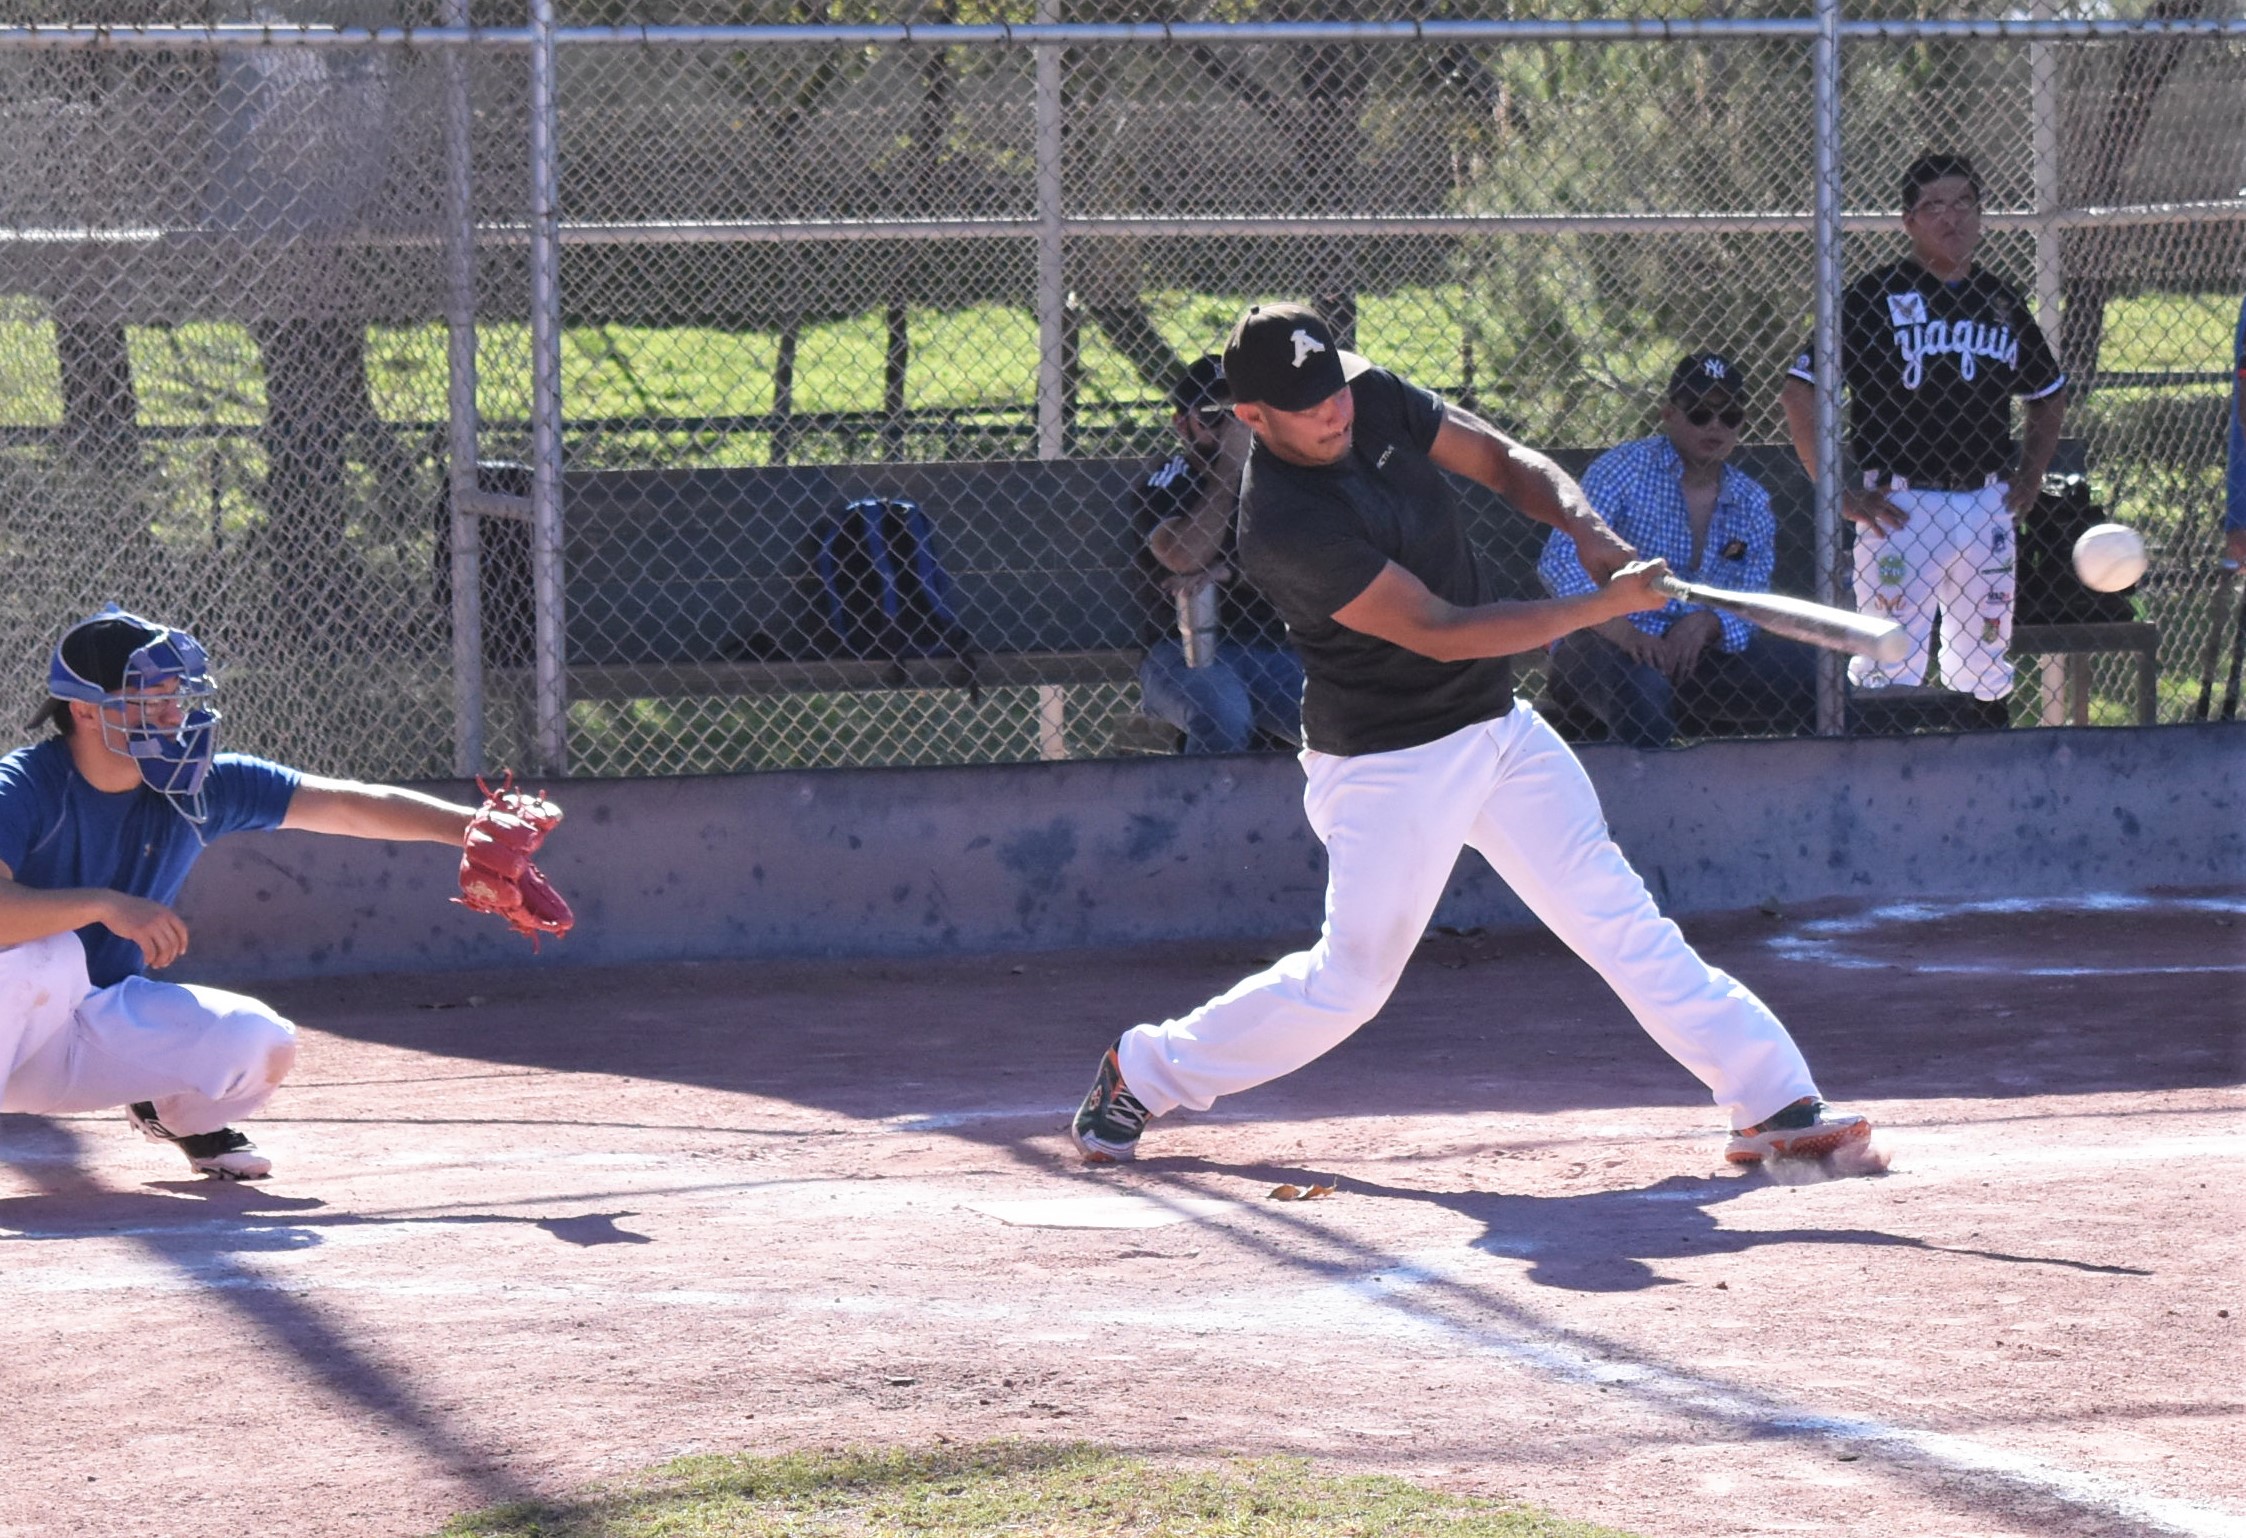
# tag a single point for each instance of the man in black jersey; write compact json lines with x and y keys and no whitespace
{"x":1183,"y":524}
{"x":1933,"y":349}
{"x":1416,"y":747}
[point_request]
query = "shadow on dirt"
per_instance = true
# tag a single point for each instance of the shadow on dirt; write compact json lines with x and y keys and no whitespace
{"x":1497,"y":1022}
{"x":209,"y":1236}
{"x":1609,"y":1240}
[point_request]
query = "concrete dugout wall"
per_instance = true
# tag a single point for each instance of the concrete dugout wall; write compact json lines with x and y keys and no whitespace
{"x":867,"y":862}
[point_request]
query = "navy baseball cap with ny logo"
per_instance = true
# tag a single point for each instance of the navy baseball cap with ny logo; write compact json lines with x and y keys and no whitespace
{"x":1284,"y":356}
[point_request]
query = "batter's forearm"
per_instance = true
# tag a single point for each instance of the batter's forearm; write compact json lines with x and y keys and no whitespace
{"x":1508,"y":629}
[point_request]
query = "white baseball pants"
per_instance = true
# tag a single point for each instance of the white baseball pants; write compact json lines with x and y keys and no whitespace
{"x":1953,"y":560}
{"x":1393,"y":824}
{"x":207,"y":1058}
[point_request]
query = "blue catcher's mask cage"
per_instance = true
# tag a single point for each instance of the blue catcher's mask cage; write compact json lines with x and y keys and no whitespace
{"x":162,"y":711}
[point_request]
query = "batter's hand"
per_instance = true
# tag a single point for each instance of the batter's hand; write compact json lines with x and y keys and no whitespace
{"x":1602,"y":551}
{"x":1873,"y":511}
{"x":160,"y":933}
{"x":1634,"y":586}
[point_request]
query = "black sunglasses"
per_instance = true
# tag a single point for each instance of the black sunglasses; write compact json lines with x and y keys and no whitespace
{"x":1701,"y":416}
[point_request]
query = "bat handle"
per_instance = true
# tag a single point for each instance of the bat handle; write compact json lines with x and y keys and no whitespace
{"x":1673,"y":585}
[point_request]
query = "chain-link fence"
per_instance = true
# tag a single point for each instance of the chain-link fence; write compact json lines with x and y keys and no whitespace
{"x":549,"y":392}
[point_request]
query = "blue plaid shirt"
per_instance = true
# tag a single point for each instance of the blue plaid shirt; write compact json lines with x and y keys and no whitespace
{"x":1638,"y":487}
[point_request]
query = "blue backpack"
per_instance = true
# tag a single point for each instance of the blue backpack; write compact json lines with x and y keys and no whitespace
{"x":883,"y":590}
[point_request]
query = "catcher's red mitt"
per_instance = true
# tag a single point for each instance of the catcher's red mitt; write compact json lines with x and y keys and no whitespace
{"x":496,"y":875}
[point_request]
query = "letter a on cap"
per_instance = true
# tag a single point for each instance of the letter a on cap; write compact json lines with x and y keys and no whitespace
{"x":1305,"y":345}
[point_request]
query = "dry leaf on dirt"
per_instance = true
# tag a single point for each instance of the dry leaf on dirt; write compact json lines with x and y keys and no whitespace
{"x":1291,"y":1193}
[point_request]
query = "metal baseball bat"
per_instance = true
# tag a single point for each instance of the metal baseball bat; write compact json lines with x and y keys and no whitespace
{"x":1834,"y":629}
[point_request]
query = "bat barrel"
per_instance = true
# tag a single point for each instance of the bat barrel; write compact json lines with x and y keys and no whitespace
{"x":1815,"y":623}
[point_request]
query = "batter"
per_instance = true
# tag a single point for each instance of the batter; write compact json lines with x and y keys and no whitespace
{"x":1415,"y":746}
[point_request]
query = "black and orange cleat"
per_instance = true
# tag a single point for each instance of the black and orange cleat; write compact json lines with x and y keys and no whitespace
{"x":1802,"y":1130}
{"x":1108,"y":1123}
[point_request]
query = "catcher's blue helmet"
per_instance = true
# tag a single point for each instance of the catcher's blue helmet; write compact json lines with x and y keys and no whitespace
{"x":158,"y":702}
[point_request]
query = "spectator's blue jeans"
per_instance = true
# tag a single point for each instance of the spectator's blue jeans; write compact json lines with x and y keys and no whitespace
{"x":1220,"y":707}
{"x":1771,"y":686}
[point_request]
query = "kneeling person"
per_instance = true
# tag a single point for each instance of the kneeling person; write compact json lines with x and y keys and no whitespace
{"x":99,"y":826}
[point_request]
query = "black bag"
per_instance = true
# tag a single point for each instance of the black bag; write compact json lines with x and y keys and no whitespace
{"x":2049,"y":591}
{"x":883,"y":590}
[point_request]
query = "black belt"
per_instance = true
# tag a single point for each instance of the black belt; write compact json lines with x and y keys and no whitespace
{"x":1883,"y":480}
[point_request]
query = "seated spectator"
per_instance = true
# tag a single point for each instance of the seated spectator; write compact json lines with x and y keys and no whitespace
{"x":1185,"y":523}
{"x":1672,"y":496}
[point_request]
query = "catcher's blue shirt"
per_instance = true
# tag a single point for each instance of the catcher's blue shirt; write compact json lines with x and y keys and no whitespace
{"x":57,"y":831}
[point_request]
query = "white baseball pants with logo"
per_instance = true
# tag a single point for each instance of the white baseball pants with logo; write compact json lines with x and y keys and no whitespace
{"x":1954,"y":559}
{"x":207,"y":1058}
{"x":1393,"y":824}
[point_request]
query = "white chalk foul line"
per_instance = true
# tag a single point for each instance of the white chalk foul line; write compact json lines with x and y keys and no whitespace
{"x":1824,"y":941}
{"x":1418,"y":1297}
{"x":1552,"y":1354}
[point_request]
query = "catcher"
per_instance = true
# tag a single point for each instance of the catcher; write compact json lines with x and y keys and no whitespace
{"x":99,"y":825}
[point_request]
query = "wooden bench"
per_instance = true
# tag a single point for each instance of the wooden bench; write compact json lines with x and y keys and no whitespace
{"x":2066,"y":673}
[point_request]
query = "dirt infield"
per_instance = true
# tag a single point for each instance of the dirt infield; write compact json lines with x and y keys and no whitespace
{"x":535,"y":1228}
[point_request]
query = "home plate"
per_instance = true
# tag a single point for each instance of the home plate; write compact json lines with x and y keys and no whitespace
{"x":1120,"y":1211}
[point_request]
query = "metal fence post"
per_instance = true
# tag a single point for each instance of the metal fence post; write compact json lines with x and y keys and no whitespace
{"x":1832,"y":682}
{"x":1052,"y":278}
{"x":552,"y":719}
{"x":460,"y":413}
{"x":2043,"y":139}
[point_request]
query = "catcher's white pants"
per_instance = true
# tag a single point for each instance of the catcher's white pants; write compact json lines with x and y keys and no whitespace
{"x":1953,"y":560}
{"x":1393,"y":824}
{"x":207,"y":1058}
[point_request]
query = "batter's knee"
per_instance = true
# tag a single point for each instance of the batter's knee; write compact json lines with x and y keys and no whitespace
{"x":1351,"y":993}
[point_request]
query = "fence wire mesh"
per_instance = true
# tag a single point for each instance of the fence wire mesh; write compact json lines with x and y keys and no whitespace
{"x":239,"y":287}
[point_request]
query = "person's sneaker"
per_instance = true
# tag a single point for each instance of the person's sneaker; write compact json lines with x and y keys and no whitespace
{"x":1802,"y":1130}
{"x":1109,"y":1122}
{"x":225,"y":1153}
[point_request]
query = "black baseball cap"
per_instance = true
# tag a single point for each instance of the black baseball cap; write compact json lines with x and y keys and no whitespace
{"x":1703,"y":374}
{"x":1284,"y":356}
{"x":1202,"y":384}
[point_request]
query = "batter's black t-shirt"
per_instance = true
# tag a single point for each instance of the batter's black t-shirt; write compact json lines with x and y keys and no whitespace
{"x":1172,"y":489}
{"x":1931,"y":369}
{"x":1314,"y":538}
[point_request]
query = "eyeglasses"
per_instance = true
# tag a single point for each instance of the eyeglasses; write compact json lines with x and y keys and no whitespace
{"x":1935,"y":208}
{"x":1701,"y":416}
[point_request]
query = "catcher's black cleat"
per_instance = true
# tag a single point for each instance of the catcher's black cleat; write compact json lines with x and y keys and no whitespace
{"x":227,"y":1154}
{"x":1109,"y":1122}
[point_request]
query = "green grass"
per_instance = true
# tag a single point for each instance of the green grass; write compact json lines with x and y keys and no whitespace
{"x":1011,"y":1487}
{"x":984,"y":356}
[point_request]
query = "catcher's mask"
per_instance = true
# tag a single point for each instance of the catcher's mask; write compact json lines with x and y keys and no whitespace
{"x":157,"y":703}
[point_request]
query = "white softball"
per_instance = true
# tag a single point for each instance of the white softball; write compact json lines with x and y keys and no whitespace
{"x":2109,"y":557}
